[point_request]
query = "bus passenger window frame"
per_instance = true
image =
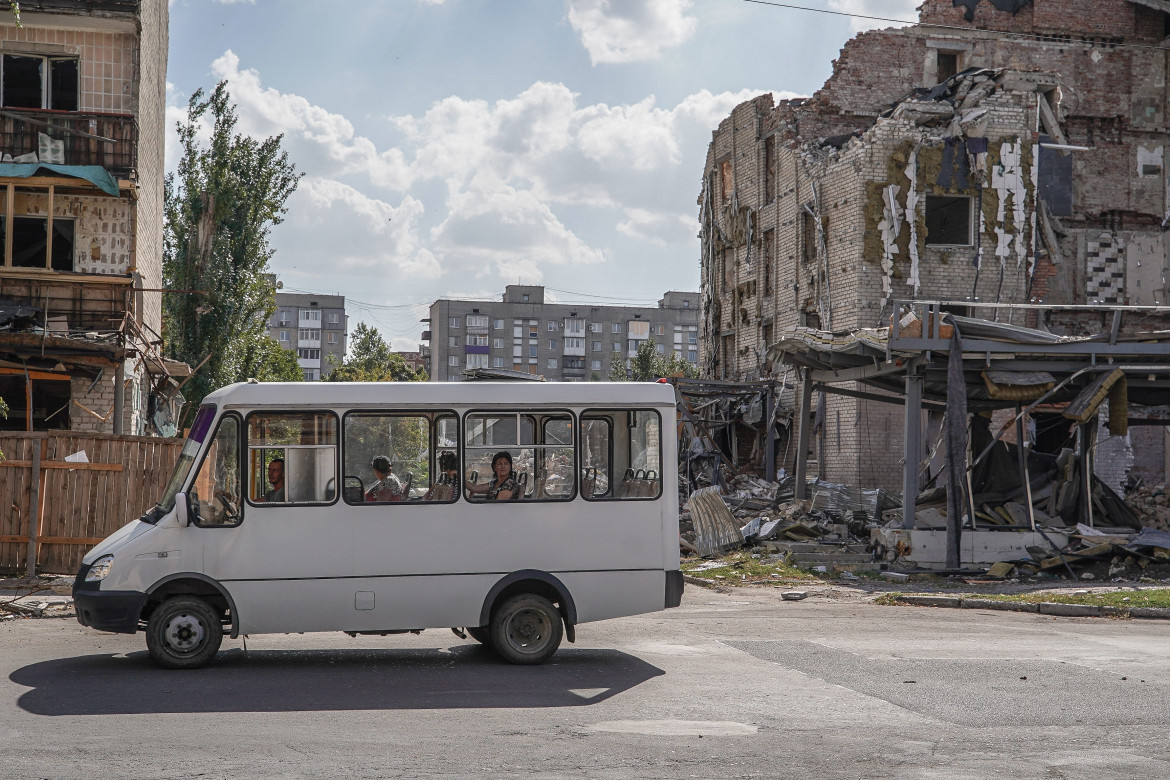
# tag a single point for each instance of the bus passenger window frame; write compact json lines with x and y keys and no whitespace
{"x":246,"y":455}
{"x":539,"y":418}
{"x":433,"y":416}
{"x":195,"y":517}
{"x":613,"y":416}
{"x":609,"y":422}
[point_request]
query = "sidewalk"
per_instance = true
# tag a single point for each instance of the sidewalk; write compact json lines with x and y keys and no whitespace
{"x":45,"y":596}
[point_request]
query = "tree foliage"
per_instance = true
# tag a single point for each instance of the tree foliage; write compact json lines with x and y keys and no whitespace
{"x":267,"y":361}
{"x":370,"y":359}
{"x":648,"y":365}
{"x":220,"y":205}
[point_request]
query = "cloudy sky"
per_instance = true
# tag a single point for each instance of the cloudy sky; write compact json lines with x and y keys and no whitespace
{"x":452,"y":147}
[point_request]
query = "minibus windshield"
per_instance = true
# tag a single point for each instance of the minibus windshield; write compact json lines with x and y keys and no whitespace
{"x":199,"y":430}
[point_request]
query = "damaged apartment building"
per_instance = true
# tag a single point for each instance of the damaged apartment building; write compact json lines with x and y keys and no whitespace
{"x":82,"y":102}
{"x":1000,"y":151}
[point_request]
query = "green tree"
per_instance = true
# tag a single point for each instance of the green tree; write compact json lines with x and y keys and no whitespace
{"x":220,"y":205}
{"x":371,"y":360}
{"x":267,"y":361}
{"x":648,"y":364}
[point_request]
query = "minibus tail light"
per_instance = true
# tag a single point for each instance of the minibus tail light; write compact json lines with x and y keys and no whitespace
{"x":99,"y":569}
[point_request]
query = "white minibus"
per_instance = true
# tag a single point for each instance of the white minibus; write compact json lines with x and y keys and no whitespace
{"x":513,"y":510}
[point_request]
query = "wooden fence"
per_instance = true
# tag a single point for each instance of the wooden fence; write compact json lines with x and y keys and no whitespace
{"x":68,"y":507}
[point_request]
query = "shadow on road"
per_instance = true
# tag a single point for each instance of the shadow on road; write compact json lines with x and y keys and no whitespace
{"x":325,"y":680}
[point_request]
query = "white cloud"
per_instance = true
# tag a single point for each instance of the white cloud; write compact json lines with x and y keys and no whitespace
{"x":616,"y":31}
{"x":506,"y":184}
{"x":660,"y":228}
{"x":265,"y":112}
{"x":379,"y":239}
{"x":883,"y":9}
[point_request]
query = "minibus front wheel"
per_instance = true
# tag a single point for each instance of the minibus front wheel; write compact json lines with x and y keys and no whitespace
{"x":526,"y":629}
{"x":183,"y":633}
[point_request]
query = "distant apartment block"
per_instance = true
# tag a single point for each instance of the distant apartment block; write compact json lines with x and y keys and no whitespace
{"x":416,"y":360}
{"x":314,"y":327}
{"x":564,"y":342}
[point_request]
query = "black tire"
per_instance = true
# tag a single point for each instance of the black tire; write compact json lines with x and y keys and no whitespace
{"x":481,"y":634}
{"x":526,"y":629}
{"x":183,"y":633}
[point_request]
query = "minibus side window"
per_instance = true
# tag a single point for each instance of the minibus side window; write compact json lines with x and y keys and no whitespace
{"x":215,"y":494}
{"x":292,"y":458}
{"x":419,"y":451}
{"x":541,"y":448}
{"x":596,"y":456}
{"x":622,"y":454}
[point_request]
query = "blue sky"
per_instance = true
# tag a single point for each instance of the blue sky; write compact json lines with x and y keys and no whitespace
{"x":451,"y":147}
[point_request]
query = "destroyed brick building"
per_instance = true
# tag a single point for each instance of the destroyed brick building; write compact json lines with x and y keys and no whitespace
{"x":1000,"y":151}
{"x":82,"y":103}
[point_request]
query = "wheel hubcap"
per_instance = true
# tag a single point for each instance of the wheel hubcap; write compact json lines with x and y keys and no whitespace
{"x":529,"y":630}
{"x":184,"y":633}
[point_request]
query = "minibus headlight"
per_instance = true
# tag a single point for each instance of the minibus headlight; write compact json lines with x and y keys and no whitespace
{"x":100,"y":568}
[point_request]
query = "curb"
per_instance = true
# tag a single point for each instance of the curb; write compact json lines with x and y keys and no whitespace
{"x":1043,"y":608}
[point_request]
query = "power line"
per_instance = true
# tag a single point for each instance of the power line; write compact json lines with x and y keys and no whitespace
{"x":1034,"y":36}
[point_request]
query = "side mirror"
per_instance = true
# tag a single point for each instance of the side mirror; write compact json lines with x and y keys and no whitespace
{"x":183,"y":510}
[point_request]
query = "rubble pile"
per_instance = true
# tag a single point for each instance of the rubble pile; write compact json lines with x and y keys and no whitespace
{"x":1151,"y":504}
{"x":767,"y":511}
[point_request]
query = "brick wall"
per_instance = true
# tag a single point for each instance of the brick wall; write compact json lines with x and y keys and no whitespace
{"x":1108,"y":97}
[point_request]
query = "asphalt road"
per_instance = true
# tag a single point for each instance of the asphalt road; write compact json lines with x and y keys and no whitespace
{"x":730,"y":685}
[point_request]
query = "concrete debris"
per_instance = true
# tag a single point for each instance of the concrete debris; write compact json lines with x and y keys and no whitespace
{"x":794,"y":595}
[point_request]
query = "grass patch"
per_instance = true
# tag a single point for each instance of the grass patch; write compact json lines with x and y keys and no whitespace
{"x":1125,"y":599}
{"x":740,"y":568}
{"x":888,"y":599}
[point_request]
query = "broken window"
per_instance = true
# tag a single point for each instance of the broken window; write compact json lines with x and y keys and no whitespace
{"x":30,"y":243}
{"x":948,"y":220}
{"x":770,"y":169}
{"x":39,"y":82}
{"x":808,"y":237}
{"x":947,"y":65}
{"x":769,"y":254}
{"x":727,"y":180}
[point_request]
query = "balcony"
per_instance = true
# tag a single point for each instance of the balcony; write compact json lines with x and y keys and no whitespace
{"x":108,"y":140}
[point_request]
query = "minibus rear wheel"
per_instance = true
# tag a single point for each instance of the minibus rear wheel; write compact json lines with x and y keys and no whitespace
{"x":183,"y":633}
{"x":526,"y":629}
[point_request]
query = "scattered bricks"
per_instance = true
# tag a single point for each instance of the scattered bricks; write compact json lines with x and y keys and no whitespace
{"x":930,"y":601}
{"x":1003,"y":606}
{"x":1070,"y":610}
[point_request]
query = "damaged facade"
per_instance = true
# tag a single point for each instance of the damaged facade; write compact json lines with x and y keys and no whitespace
{"x":1002,"y":151}
{"x":82,"y":102}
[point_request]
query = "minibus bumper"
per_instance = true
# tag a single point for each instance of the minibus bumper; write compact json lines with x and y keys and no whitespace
{"x":674,"y":588}
{"x":106,"y":610}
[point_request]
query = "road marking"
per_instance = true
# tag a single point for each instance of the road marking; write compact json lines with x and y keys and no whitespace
{"x":676,"y":728}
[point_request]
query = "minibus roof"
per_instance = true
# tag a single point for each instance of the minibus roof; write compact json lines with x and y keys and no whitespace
{"x":518,"y":394}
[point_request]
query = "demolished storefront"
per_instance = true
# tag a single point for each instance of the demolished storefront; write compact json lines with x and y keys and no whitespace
{"x":1003,"y":427}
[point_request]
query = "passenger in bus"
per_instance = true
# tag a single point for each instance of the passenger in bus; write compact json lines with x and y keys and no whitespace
{"x":387,"y":487}
{"x":276,"y":479}
{"x":444,"y":487}
{"x":504,"y":486}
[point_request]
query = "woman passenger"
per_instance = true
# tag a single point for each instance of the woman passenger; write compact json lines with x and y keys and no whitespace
{"x":504,"y":486}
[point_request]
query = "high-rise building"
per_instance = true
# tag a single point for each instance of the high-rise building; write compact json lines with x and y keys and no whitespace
{"x":314,"y":327}
{"x":564,"y":342}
